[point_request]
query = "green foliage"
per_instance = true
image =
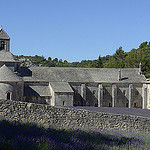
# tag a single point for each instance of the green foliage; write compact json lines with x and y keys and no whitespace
{"x":99,"y":63}
{"x":135,"y":56}
{"x":117,"y":60}
{"x":142,"y":45}
{"x":132,"y":59}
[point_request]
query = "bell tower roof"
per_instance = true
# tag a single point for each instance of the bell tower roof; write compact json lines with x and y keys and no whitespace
{"x":4,"y":41}
{"x":3,"y":34}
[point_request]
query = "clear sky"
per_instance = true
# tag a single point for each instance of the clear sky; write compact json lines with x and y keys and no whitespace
{"x":75,"y":30}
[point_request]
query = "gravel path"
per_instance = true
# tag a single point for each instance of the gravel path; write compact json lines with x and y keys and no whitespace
{"x":117,"y":110}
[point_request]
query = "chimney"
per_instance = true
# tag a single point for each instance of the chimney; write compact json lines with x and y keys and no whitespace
{"x":119,"y":75}
{"x":140,"y":68}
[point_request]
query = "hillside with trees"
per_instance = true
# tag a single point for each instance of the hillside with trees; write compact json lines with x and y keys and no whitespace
{"x":131,"y":59}
{"x":119,"y":59}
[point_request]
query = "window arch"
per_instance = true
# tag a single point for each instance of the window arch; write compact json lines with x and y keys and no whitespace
{"x":127,"y":104}
{"x":78,"y":103}
{"x":135,"y":104}
{"x":124,"y":92}
{"x":104,"y":92}
{"x":109,"y":104}
{"x":94,"y":92}
{"x":2,"y":45}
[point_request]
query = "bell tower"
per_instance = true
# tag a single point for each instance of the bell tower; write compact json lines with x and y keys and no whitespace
{"x":6,"y":57}
{"x":4,"y":41}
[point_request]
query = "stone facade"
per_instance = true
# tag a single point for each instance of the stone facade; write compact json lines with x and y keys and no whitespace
{"x":98,"y":87}
{"x":148,"y":94}
{"x":109,"y":95}
{"x":11,"y":91}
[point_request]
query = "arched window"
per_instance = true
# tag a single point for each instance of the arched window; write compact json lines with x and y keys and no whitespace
{"x":94,"y":92}
{"x":104,"y":92}
{"x":124,"y":92}
{"x":78,"y":103}
{"x":63,"y":103}
{"x":127,"y":104}
{"x":109,"y":104}
{"x":135,"y":104}
{"x":75,"y":91}
{"x":8,"y":96}
{"x":2,"y":45}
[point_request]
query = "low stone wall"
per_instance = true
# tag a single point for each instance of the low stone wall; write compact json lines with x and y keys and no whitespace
{"x":76,"y":118}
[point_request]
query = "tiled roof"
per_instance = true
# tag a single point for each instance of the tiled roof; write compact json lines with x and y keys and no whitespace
{"x":36,"y":90}
{"x":7,"y":57}
{"x":61,"y":74}
{"x":7,"y":75}
{"x":3,"y":34}
{"x":61,"y":87}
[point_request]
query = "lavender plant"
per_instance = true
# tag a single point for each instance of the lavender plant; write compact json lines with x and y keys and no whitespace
{"x":17,"y":136}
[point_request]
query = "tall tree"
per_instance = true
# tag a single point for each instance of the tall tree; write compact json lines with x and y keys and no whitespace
{"x":117,"y":60}
{"x":99,"y":63}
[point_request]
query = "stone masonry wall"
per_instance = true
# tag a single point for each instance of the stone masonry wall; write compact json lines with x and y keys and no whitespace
{"x":76,"y":118}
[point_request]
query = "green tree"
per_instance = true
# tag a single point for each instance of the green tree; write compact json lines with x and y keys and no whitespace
{"x":120,"y":54}
{"x":144,"y":44}
{"x":49,"y":58}
{"x":99,"y":63}
{"x":55,"y":60}
{"x":117,"y":60}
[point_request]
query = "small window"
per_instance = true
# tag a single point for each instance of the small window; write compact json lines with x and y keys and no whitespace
{"x":109,"y":104}
{"x":8,"y":96}
{"x":104,"y":92}
{"x":94,"y":92}
{"x":127,"y":104}
{"x":124,"y":92}
{"x":63,"y":103}
{"x":2,"y":45}
{"x":78,"y":103}
{"x":76,"y":92}
{"x":135,"y":105}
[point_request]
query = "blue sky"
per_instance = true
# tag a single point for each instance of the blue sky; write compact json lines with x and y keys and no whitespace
{"x":75,"y":30}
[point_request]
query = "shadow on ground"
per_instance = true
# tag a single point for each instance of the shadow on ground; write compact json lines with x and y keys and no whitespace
{"x":29,"y":136}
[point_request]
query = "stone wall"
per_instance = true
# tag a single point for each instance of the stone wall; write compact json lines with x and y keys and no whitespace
{"x":76,"y":118}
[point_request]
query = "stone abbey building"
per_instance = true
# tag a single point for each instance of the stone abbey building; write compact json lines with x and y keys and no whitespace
{"x":58,"y":86}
